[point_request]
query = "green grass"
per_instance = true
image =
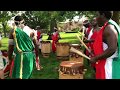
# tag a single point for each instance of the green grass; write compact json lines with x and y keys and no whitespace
{"x":49,"y":70}
{"x":51,"y":64}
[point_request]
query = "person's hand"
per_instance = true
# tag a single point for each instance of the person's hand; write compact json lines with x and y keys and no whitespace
{"x":93,"y":59}
{"x":85,"y":40}
{"x":91,"y":53}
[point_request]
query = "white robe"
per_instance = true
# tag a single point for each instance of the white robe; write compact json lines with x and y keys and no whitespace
{"x":108,"y":64}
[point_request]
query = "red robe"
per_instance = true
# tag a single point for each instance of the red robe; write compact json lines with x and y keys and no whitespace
{"x":37,"y":58}
{"x":38,"y":35}
{"x":98,"y":49}
{"x":54,"y":41}
{"x":37,"y":62}
{"x":90,"y":45}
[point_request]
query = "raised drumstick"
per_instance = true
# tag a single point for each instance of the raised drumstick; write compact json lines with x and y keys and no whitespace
{"x":84,"y":44}
{"x":83,"y":35}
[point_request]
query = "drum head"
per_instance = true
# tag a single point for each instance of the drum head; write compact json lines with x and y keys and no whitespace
{"x":71,"y":64}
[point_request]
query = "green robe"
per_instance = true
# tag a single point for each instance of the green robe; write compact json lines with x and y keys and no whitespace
{"x":116,"y":61}
{"x":26,"y":45}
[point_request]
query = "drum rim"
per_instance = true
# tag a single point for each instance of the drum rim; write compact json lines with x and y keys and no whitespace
{"x":68,"y":63}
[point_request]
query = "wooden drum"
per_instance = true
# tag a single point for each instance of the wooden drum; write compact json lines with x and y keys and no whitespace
{"x":71,"y":70}
{"x":62,"y":51}
{"x":74,"y":56}
{"x":45,"y":48}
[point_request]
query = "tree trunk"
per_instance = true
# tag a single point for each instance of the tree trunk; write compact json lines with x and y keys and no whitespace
{"x":53,"y":24}
{"x":116,"y":16}
{"x":4,"y":28}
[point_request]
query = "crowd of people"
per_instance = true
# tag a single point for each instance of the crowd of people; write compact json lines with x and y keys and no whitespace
{"x":102,"y":36}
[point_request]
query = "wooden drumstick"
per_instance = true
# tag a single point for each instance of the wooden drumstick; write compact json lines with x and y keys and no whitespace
{"x":84,"y":44}
{"x":82,"y":34}
{"x":85,"y":38}
{"x":78,"y":52}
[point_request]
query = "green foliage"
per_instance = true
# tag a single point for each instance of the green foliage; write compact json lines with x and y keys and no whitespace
{"x":43,"y":18}
{"x":36,"y":18}
{"x":89,"y":14}
{"x":4,"y":17}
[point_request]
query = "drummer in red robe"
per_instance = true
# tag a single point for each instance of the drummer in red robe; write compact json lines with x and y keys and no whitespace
{"x":55,"y":38}
{"x":88,"y":27}
{"x":92,"y":36}
{"x":39,"y":38}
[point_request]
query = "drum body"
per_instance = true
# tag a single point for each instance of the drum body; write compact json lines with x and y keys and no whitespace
{"x":45,"y":48}
{"x":62,"y":51}
{"x":74,"y":56}
{"x":71,"y":70}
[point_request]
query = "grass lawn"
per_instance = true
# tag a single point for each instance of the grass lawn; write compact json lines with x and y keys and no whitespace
{"x":50,"y":64}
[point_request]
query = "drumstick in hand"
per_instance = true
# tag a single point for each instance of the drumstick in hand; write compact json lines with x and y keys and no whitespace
{"x":78,"y":52}
{"x":84,"y":44}
{"x":82,"y":34}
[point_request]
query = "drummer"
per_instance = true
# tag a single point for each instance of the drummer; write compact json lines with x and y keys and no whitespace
{"x":1,"y":66}
{"x":92,"y":35}
{"x":55,"y":38}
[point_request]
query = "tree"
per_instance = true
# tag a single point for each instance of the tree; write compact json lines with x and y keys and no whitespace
{"x":57,"y":16}
{"x":4,"y":17}
{"x":91,"y":14}
{"x":36,"y":18}
{"x":49,"y":19}
{"x":46,"y":19}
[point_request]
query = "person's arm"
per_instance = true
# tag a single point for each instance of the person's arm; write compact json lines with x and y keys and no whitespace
{"x":10,"y":46}
{"x":110,"y":36}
